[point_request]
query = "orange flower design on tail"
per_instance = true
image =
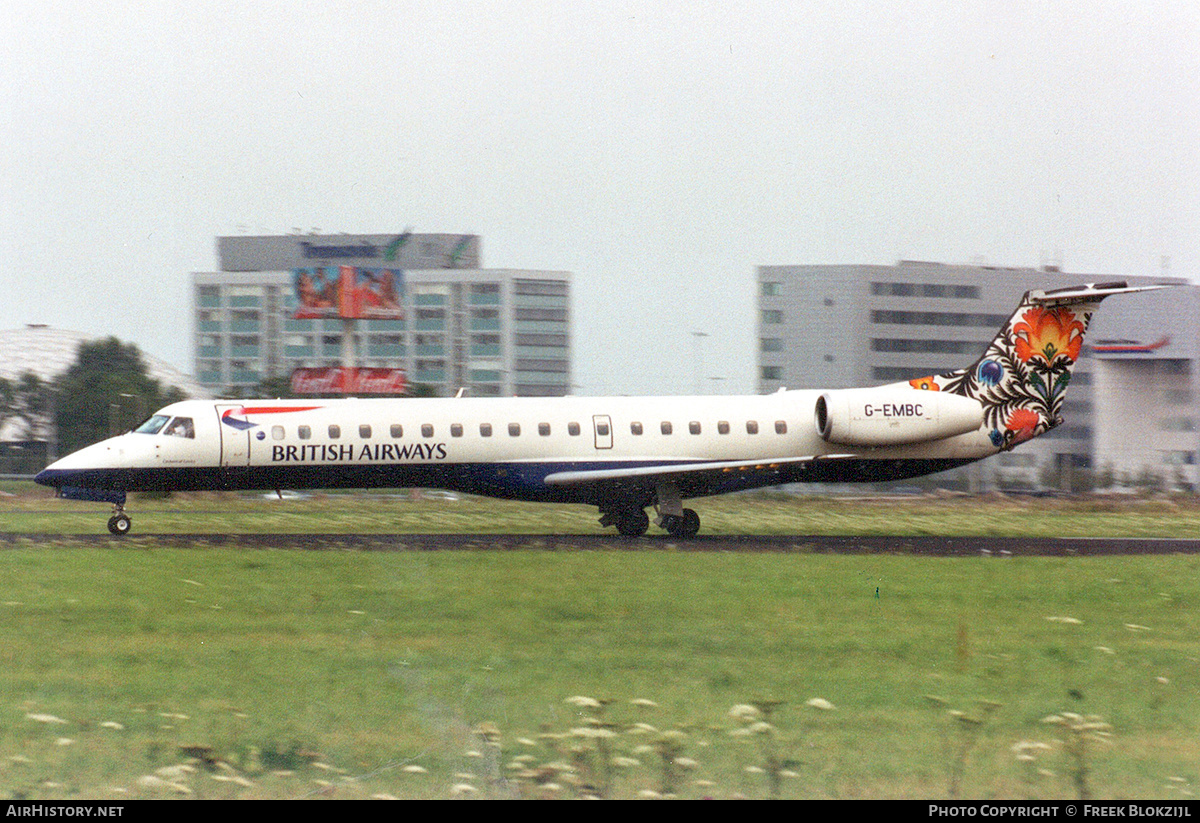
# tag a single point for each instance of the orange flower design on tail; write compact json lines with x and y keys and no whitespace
{"x":1048,"y":334}
{"x":1021,"y":426}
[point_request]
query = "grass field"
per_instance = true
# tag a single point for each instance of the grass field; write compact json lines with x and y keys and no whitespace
{"x":223,"y":673}
{"x":33,"y":509}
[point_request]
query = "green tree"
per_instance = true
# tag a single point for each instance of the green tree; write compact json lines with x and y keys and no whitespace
{"x":106,"y":387}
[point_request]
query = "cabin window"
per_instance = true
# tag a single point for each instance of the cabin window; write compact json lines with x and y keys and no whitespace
{"x":666,"y":427}
{"x":635,"y":428}
{"x":427,"y":430}
{"x":722,"y":427}
{"x":181,"y":427}
{"x":397,"y":431}
{"x":485,"y":429}
{"x":153,"y":425}
{"x":573,"y":429}
{"x":335,"y":431}
{"x":544,"y":429}
{"x":456,"y":429}
{"x":751,"y":427}
{"x":514,"y":429}
{"x":364,"y":432}
{"x":694,"y":427}
{"x":304,"y":432}
{"x":277,"y":432}
{"x":780,"y":427}
{"x":602,"y":429}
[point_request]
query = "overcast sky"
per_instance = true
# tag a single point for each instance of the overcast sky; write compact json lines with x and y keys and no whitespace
{"x":659,"y":151}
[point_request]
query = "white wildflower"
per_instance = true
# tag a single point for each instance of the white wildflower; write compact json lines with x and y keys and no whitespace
{"x":235,"y":779}
{"x":44,"y":718}
{"x":594,"y":732}
{"x":745,"y":713}
{"x":175,"y":772}
{"x":583,"y":702}
{"x":820,"y":703}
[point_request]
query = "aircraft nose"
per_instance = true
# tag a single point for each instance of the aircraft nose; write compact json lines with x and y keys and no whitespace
{"x":56,"y":474}
{"x":78,"y":468}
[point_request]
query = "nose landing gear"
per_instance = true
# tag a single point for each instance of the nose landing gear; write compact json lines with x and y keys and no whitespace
{"x":119,"y":524}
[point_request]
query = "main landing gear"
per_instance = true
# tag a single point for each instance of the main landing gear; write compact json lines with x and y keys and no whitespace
{"x":119,"y":524}
{"x":632,"y":520}
{"x":635,"y":523}
{"x":684,"y":526}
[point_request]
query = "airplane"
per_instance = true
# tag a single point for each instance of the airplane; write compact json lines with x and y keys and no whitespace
{"x":622,"y":455}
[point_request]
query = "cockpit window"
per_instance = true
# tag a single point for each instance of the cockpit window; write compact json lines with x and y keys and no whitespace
{"x":181,"y":427}
{"x":153,"y":425}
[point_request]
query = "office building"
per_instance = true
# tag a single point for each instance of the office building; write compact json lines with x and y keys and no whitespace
{"x":836,"y":326}
{"x":448,"y":324}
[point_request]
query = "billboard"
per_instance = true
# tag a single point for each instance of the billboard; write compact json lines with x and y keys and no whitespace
{"x":408,"y":250}
{"x":348,"y":292}
{"x":343,"y":380}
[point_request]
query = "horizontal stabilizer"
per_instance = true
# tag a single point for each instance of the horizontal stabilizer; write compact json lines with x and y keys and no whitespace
{"x":1091,"y":292}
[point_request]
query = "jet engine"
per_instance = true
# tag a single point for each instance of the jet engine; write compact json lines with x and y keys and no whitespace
{"x":894,"y":416}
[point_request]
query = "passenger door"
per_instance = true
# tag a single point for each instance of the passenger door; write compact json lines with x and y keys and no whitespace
{"x":235,"y":436}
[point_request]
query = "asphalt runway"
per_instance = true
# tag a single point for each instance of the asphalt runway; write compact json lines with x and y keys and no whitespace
{"x":932,"y":546}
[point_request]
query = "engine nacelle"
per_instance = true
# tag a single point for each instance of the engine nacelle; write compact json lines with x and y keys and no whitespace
{"x":894,"y":416}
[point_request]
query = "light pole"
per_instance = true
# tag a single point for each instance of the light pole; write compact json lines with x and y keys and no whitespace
{"x":699,"y":335}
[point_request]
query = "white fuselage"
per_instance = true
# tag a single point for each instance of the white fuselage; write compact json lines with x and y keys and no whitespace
{"x":505,"y":447}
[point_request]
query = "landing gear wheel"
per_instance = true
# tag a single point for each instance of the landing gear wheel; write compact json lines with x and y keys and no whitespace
{"x":684,"y":527}
{"x":633,"y":523}
{"x":119,"y":524}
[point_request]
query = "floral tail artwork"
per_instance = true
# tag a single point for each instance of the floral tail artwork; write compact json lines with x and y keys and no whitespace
{"x":1023,"y":376}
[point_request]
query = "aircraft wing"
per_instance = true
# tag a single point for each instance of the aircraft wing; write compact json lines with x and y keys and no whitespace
{"x":704,"y":477}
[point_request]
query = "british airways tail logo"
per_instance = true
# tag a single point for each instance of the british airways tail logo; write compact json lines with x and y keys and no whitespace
{"x":237,"y":418}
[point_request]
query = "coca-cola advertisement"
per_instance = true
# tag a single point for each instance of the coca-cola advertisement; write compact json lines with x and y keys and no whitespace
{"x":340,"y":380}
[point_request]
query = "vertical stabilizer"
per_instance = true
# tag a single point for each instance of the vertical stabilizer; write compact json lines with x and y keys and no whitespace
{"x":1023,"y":376}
